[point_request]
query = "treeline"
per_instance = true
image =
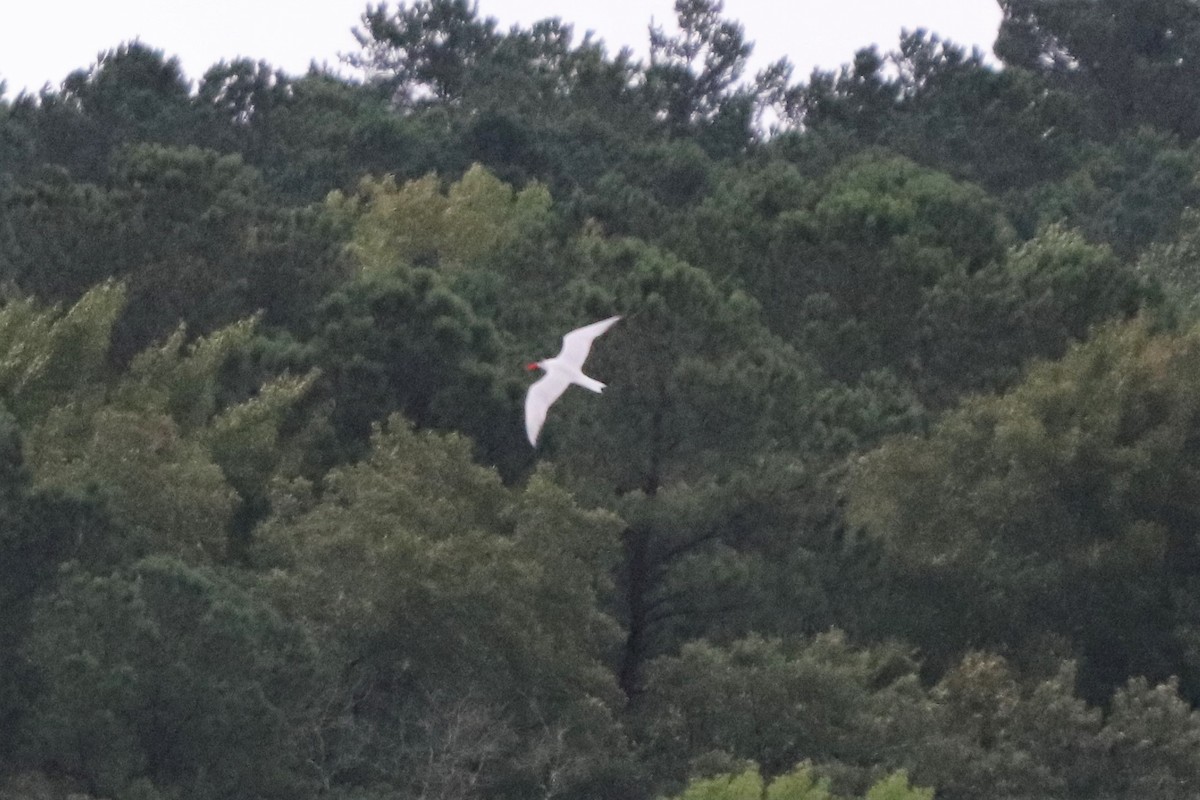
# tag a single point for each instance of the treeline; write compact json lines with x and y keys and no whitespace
{"x":894,"y":493}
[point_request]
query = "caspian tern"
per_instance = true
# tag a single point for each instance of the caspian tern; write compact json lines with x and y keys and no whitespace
{"x":561,"y":371}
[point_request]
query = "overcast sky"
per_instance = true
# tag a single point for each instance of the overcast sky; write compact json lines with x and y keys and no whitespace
{"x":41,"y":41}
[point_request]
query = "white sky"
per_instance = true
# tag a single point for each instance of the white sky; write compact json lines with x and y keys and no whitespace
{"x":41,"y":41}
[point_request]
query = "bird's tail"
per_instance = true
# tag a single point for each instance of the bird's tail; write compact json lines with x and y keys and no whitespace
{"x":590,"y":383}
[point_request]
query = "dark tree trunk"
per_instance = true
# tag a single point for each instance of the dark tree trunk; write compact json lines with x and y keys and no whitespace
{"x":639,"y":581}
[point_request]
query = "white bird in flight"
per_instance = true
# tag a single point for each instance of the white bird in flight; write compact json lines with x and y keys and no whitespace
{"x":561,"y":371}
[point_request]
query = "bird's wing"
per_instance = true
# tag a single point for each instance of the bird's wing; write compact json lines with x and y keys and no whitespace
{"x":578,"y":342}
{"x":541,"y":395}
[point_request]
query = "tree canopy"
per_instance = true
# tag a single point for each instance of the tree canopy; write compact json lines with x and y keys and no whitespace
{"x":891,"y":494}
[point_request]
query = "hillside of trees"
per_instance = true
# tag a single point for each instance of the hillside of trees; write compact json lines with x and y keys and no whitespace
{"x":894,"y":493}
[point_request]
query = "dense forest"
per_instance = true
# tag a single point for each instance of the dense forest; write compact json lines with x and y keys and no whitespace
{"x":894,"y":492}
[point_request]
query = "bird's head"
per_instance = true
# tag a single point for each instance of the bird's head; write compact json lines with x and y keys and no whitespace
{"x":532,"y":365}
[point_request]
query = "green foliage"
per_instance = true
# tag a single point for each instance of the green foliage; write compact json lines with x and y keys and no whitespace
{"x":997,"y":733}
{"x":865,"y":269}
{"x":944,"y":107}
{"x":125,"y":657}
{"x":183,"y":382}
{"x":418,"y":224}
{"x":685,"y":429}
{"x":163,"y":487}
{"x":449,"y":595}
{"x":196,"y":233}
{"x":37,"y":530}
{"x":1152,"y":734}
{"x":133,"y":93}
{"x":897,"y":787}
{"x":1128,"y":194}
{"x":799,"y":784}
{"x":991,"y":731}
{"x":151,"y":443}
{"x":416,"y":540}
{"x":862,"y":269}
{"x":1172,"y":264}
{"x":58,"y":237}
{"x":189,"y":231}
{"x":887,"y":199}
{"x":1071,"y":285}
{"x":429,"y":47}
{"x":311,"y":134}
{"x":977,"y":331}
{"x":526,"y":102}
{"x":716,"y":381}
{"x":404,"y":341}
{"x":775,"y":704}
{"x":52,"y":358}
{"x":269,"y":525}
{"x":747,"y":786}
{"x":1061,"y":502}
{"x":693,"y":79}
{"x":650,"y":192}
{"x":1134,"y":61}
{"x":245,"y":440}
{"x":179,"y":379}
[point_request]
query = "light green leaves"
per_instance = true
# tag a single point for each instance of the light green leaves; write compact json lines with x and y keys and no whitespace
{"x":49,"y":357}
{"x":799,"y":784}
{"x":419,"y":223}
{"x":153,"y":442}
